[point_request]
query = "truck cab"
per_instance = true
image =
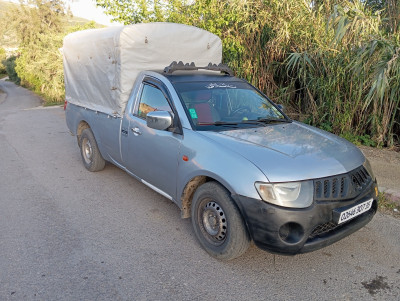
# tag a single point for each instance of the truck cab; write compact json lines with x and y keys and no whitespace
{"x":287,"y":184}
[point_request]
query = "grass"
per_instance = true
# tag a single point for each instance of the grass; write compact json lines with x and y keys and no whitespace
{"x":388,"y":206}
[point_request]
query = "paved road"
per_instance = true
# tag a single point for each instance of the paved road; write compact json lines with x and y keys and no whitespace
{"x":68,"y":234}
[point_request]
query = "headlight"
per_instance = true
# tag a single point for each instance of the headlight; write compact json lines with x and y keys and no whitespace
{"x":290,"y":194}
{"x":368,"y":167}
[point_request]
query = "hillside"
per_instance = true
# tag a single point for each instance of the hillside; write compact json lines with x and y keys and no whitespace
{"x":8,"y":40}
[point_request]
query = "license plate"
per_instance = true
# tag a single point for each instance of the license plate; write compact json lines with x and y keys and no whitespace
{"x":354,"y":211}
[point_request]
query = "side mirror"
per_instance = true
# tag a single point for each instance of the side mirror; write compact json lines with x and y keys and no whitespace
{"x":159,"y":120}
{"x":281,"y":107}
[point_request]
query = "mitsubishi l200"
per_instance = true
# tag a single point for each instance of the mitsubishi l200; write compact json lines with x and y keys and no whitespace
{"x":213,"y":144}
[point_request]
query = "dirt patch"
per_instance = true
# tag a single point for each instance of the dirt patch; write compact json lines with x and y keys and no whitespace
{"x":376,"y":285}
{"x":390,"y":212}
{"x":383,"y":155}
{"x":388,"y":206}
{"x":386,"y":166}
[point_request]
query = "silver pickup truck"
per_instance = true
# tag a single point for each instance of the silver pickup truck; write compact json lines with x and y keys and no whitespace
{"x":231,"y":160}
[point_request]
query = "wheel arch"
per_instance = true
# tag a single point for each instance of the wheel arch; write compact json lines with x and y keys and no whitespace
{"x":81,"y":126}
{"x":191,"y":187}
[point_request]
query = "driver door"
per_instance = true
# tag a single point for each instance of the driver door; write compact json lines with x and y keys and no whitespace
{"x":150,"y":154}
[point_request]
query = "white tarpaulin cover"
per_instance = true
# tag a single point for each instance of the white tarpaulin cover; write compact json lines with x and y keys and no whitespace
{"x":101,"y":65}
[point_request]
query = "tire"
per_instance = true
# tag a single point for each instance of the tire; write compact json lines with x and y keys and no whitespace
{"x":217,"y":222}
{"x":91,"y":157}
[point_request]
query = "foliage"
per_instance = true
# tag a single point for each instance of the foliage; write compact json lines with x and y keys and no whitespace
{"x":7,"y":37}
{"x":10,"y":68}
{"x":332,"y":63}
{"x":135,"y":11}
{"x":3,"y":57}
{"x":359,"y":140}
{"x":354,"y":84}
{"x":40,"y":31}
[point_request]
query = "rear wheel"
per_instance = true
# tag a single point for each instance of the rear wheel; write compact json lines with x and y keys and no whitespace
{"x":217,"y":222}
{"x":91,"y":157}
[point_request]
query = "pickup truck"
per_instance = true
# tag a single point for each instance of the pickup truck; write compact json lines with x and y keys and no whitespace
{"x":222,"y":151}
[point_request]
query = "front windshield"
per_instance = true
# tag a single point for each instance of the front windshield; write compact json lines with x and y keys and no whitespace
{"x":235,"y":104}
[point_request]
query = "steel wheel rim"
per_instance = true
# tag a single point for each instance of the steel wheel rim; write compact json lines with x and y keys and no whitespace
{"x":213,"y":221}
{"x":87,"y":151}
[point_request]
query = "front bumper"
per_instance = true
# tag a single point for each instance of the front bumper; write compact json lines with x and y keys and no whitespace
{"x":290,"y":231}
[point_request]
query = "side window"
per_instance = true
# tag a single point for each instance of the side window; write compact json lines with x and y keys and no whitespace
{"x":152,"y":99}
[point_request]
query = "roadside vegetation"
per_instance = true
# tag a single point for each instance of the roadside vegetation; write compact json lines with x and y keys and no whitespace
{"x":388,"y":206}
{"x":38,"y":28}
{"x":332,"y":64}
{"x":3,"y":57}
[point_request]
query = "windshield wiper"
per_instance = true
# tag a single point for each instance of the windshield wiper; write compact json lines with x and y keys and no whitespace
{"x":222,"y":123}
{"x":253,"y":122}
{"x":272,"y":120}
{"x":230,"y":123}
{"x":225,"y":123}
{"x":261,"y":122}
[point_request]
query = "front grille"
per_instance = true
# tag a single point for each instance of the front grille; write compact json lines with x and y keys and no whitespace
{"x":338,"y":188}
{"x":342,"y":187}
{"x":322,"y":229}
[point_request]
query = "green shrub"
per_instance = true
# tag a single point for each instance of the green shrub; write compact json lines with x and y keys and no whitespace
{"x":10,"y":68}
{"x":40,"y":31}
{"x":3,"y":57}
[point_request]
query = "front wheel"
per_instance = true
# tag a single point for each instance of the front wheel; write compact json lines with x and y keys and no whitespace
{"x":217,"y":222}
{"x":91,"y":157}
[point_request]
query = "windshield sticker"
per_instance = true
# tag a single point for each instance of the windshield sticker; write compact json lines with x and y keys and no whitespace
{"x":193,"y":113}
{"x":220,"y":85}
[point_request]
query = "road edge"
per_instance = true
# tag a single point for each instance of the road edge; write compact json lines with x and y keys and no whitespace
{"x":3,"y":96}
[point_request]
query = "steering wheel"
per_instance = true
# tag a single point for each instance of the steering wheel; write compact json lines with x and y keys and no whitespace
{"x":241,"y":110}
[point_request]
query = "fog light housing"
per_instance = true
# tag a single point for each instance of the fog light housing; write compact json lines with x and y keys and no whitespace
{"x":291,"y":233}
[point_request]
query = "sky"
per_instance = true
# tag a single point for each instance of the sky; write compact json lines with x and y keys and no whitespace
{"x":87,"y":9}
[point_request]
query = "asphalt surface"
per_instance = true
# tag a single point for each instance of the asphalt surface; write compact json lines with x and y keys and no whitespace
{"x":68,"y":234}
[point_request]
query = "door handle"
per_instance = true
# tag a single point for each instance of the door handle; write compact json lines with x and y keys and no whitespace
{"x":136,"y":131}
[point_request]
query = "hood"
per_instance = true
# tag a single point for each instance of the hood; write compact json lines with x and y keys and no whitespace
{"x":291,"y":151}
